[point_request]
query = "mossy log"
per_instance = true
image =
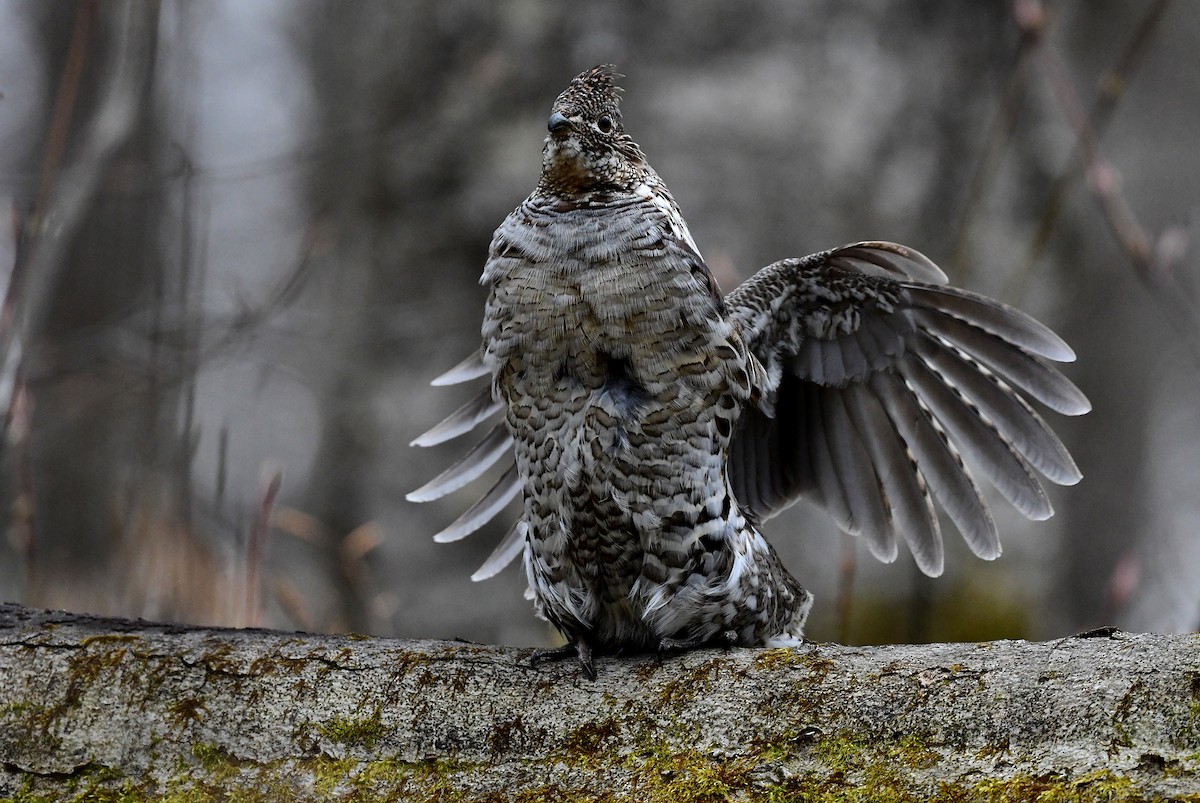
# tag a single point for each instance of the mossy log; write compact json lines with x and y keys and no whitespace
{"x":110,"y":709}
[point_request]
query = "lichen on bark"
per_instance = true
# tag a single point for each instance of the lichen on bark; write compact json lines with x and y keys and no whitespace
{"x":106,"y":709}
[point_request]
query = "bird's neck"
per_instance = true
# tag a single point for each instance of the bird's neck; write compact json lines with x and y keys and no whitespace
{"x":569,"y":174}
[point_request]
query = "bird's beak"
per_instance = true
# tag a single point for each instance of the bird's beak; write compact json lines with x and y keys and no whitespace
{"x":558,"y":123}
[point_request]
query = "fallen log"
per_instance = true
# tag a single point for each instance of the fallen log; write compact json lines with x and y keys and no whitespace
{"x":93,"y":709}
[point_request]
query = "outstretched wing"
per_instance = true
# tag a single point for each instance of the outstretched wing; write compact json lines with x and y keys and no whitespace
{"x":496,"y":445}
{"x":881,"y":378}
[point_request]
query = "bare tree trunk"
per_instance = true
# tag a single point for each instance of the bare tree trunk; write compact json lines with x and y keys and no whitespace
{"x":91,"y":705}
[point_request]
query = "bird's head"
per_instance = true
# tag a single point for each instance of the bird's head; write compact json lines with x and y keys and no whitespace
{"x":587,"y":149}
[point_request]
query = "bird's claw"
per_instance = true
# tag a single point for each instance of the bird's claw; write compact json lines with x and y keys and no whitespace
{"x":669,"y":646}
{"x":580,"y":649}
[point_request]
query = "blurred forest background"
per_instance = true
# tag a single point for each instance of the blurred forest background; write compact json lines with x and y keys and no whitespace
{"x":237,"y":240}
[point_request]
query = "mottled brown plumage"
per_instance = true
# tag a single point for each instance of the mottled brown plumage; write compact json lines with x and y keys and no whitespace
{"x":656,"y":424}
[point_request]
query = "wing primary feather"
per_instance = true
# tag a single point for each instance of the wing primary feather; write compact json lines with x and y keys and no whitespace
{"x":1022,"y":369}
{"x":1013,"y":418}
{"x":856,"y":475}
{"x":483,"y":511}
{"x":825,"y":473}
{"x":743,"y":462}
{"x":470,"y":368}
{"x":979,"y":440}
{"x":504,"y":553}
{"x":770,"y":466}
{"x":911,"y":507}
{"x":1000,"y":319}
{"x":461,"y":420}
{"x":948,"y":478}
{"x":481,"y":457}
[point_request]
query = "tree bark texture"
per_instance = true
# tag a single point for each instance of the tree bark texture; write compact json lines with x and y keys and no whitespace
{"x":109,"y":709}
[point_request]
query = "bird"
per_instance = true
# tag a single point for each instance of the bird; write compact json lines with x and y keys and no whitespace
{"x":651,"y":425}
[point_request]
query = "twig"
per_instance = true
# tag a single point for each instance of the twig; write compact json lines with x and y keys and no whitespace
{"x":1112,"y":89}
{"x":21,"y":525}
{"x":222,"y":465}
{"x":1100,"y":174}
{"x":1152,"y":258}
{"x":232,"y":331}
{"x":64,"y":106}
{"x":1033,"y":24}
{"x":352,"y":551}
{"x":191,"y":273}
{"x":15,"y":400}
{"x":292,"y":602}
{"x":256,"y":548}
{"x":55,"y":227}
{"x":845,"y":594}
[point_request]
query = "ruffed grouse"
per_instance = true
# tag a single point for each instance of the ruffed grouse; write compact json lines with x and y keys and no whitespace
{"x":656,"y":424}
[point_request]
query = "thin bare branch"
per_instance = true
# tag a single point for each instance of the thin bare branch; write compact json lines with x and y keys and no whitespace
{"x":256,"y":547}
{"x":1033,"y":23}
{"x":22,"y":521}
{"x":1147,"y":253}
{"x":53,"y":230}
{"x":845,"y":594}
{"x":1112,"y":90}
{"x":64,"y":105}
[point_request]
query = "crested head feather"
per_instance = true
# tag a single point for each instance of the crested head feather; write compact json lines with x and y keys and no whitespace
{"x":588,"y":150}
{"x":598,"y":82}
{"x":592,"y":92}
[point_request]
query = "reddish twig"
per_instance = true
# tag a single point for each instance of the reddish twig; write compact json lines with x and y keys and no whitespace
{"x":292,"y":602}
{"x":21,"y":525}
{"x":256,"y":548}
{"x":64,"y":106}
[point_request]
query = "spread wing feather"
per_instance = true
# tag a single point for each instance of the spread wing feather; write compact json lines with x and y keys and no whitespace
{"x":1028,"y":372}
{"x":912,"y":515}
{"x":883,"y":377}
{"x":869,"y":515}
{"x":483,"y":511}
{"x":496,"y":446}
{"x":504,"y":553}
{"x":482,"y":456}
{"x":462,"y":420}
{"x":470,"y":368}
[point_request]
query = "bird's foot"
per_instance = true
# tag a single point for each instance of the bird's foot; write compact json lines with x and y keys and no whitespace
{"x":671,"y":646}
{"x":581,"y":649}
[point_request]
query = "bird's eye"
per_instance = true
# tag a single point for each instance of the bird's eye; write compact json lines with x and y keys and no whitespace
{"x":605,"y":124}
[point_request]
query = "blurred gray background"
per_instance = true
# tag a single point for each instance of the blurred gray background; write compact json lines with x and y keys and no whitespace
{"x":238,"y":239}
